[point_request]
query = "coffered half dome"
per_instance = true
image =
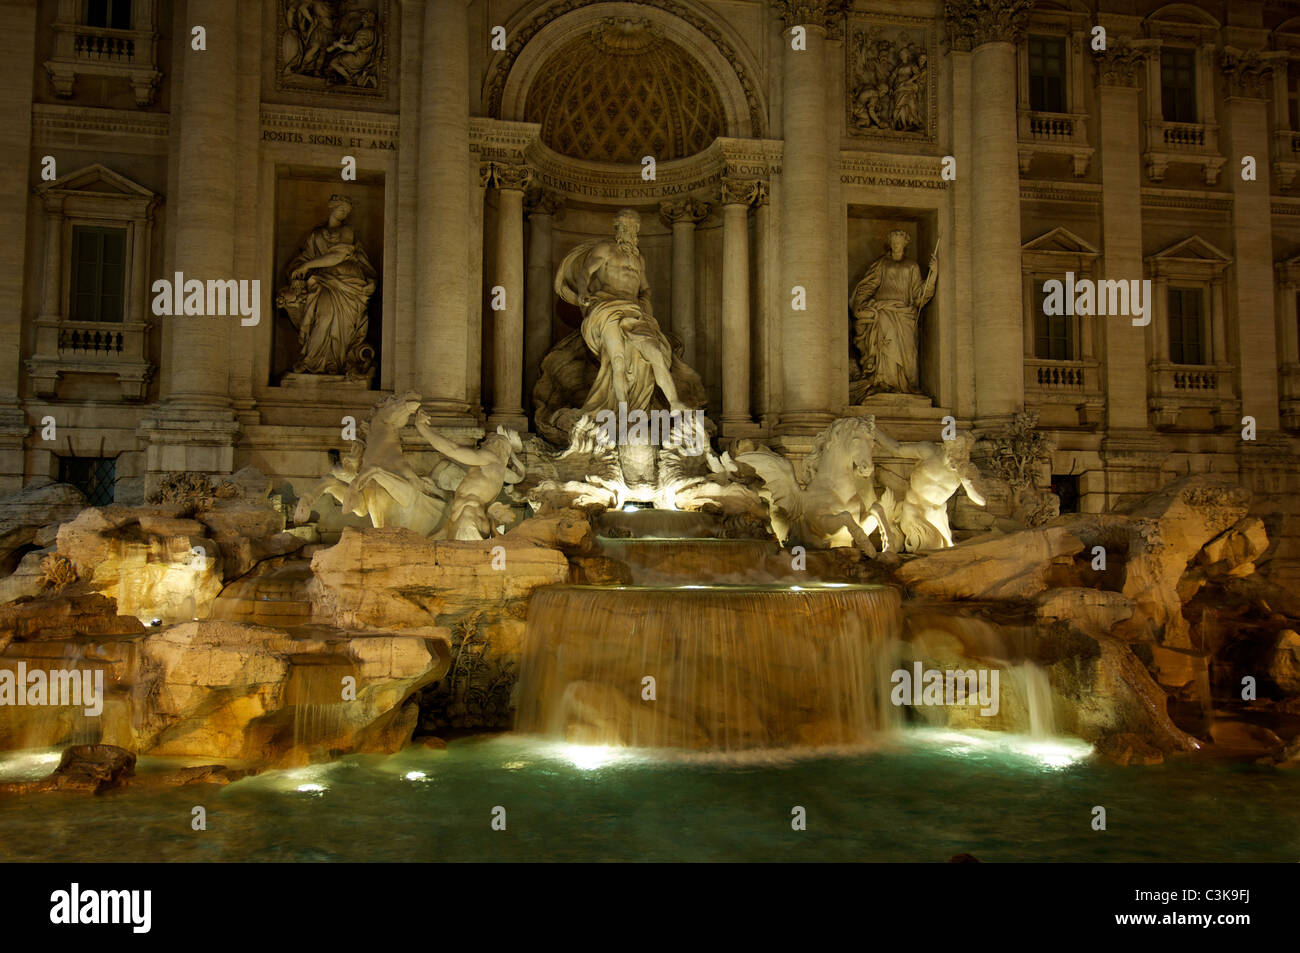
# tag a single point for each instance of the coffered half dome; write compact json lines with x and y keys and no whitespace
{"x":621,"y":91}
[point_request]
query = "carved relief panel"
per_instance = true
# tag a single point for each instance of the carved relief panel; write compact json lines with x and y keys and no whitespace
{"x":334,"y":45}
{"x":890,"y":83}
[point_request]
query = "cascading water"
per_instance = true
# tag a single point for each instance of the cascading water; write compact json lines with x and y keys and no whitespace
{"x":718,"y":667}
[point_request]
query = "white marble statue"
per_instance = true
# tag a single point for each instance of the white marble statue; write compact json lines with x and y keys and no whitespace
{"x":475,"y":512}
{"x":328,"y":298}
{"x":343,"y":470}
{"x":922,"y":515}
{"x":386,"y":487}
{"x":837,"y":504}
{"x":606,"y":280}
{"x":887,"y":304}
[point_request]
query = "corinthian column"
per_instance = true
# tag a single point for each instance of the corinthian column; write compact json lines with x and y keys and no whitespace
{"x":1119,"y":71}
{"x":1246,"y":123}
{"x":204,"y":195}
{"x":541,"y":205}
{"x":806,"y":226}
{"x":682,"y":215}
{"x":992,"y":28}
{"x":443,"y":233}
{"x":194,"y":426}
{"x":737,"y":194}
{"x":508,"y":322}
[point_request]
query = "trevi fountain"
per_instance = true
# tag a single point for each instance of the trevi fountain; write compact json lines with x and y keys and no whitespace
{"x":649,"y":537}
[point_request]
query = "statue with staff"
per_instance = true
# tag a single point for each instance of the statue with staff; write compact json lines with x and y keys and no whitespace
{"x":886,"y":306}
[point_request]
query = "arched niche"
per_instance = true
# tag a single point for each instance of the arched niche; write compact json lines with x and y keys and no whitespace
{"x":546,"y":29}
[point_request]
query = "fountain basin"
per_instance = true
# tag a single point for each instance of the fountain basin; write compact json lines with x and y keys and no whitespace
{"x":710,"y":667}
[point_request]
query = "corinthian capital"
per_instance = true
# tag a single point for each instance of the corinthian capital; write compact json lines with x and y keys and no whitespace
{"x":499,"y":175}
{"x":741,"y":191}
{"x":1248,"y":72}
{"x":1121,"y":63}
{"x":818,"y":13}
{"x":973,"y":23}
{"x":539,"y":200}
{"x":683,"y":210}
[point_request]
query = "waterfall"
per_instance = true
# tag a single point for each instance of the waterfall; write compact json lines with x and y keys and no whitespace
{"x":1038,"y":700}
{"x":717,"y":667}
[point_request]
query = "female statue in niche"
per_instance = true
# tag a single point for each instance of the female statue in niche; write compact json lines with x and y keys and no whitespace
{"x":328,"y":298}
{"x":886,"y":306}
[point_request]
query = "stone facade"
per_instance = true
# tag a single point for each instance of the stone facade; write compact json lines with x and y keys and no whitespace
{"x":789,"y":140}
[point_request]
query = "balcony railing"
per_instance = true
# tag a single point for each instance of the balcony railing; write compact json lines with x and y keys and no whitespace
{"x":88,"y":338}
{"x":1054,"y":133}
{"x":100,"y":51}
{"x":1193,"y":143}
{"x":1175,"y":389}
{"x":98,"y":45}
{"x":1072,"y":384}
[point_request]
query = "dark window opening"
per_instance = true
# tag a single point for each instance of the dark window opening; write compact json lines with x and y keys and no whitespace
{"x":93,"y":476}
{"x":1053,"y":340}
{"x":1178,"y":85}
{"x":1186,"y":342}
{"x":1066,"y":488}
{"x":110,"y":14}
{"x":1293,"y":95}
{"x":98,"y":273}
{"x":1047,"y":74}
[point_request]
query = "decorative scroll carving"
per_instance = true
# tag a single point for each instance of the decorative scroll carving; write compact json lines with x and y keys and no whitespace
{"x":497,"y":175}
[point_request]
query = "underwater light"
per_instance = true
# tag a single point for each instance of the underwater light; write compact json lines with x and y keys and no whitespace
{"x":589,"y":757}
{"x":414,"y":776}
{"x":311,"y":788}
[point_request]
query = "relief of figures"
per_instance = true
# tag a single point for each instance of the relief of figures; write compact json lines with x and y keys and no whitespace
{"x":336,"y":42}
{"x":888,"y":81}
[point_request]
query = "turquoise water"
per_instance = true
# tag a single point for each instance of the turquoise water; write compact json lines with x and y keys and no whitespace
{"x":924,"y":797}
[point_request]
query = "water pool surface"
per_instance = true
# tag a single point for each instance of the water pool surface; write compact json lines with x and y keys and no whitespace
{"x":923,"y":797}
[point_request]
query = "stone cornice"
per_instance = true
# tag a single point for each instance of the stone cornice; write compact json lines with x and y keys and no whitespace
{"x":972,"y":23}
{"x":1046,"y":190}
{"x":1186,"y":200}
{"x":892,"y":170}
{"x":54,"y":124}
{"x":340,"y":121}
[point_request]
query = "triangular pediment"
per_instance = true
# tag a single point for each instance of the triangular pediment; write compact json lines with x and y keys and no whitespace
{"x":1061,"y":241}
{"x":1192,"y":249}
{"x":97,"y":179}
